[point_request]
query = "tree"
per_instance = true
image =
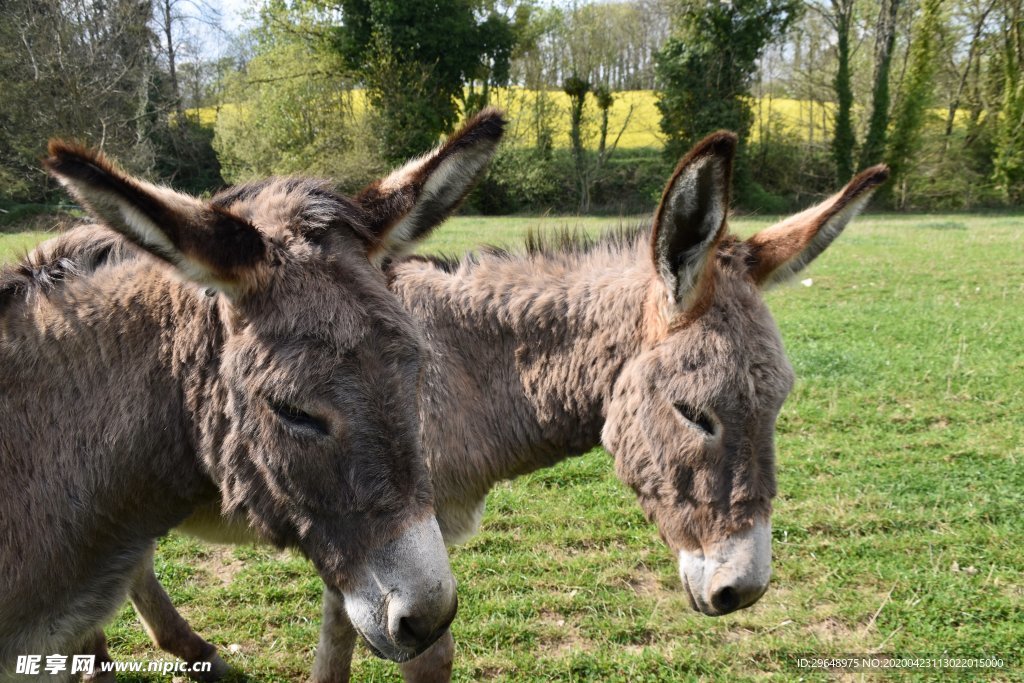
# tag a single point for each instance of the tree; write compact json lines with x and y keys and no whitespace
{"x":1009,"y":161}
{"x":577,"y":88}
{"x":587,"y":166}
{"x":706,"y":68}
{"x":415,"y":57}
{"x":84,"y":70}
{"x":840,"y":17}
{"x":873,"y":148}
{"x":917,"y":96}
{"x":290,"y":107}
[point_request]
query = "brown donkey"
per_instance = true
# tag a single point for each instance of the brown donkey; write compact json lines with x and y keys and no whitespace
{"x":254,"y":358}
{"x":656,"y":344}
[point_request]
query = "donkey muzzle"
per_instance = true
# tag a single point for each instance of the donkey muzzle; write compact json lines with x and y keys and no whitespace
{"x":731,"y":574}
{"x":405,"y":597}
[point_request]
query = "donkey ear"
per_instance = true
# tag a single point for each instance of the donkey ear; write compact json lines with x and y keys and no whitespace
{"x":691,"y":217}
{"x":207,"y":245}
{"x":779,"y":252}
{"x":410,"y":202}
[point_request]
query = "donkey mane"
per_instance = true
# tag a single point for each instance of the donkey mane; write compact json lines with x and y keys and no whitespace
{"x":74,"y":254}
{"x":568,"y":248}
{"x":313,"y":200}
{"x":565,"y":245}
{"x":44,"y":271}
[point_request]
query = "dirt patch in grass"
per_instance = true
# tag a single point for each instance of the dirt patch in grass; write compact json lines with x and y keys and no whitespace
{"x":831,"y":630}
{"x":220,"y":564}
{"x":560,"y":636}
{"x":644,"y":582}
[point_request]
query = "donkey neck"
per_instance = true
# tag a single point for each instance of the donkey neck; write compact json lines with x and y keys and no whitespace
{"x":116,"y":365}
{"x":526,"y":350}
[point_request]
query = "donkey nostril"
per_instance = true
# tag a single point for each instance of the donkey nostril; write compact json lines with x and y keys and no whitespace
{"x":412,"y":631}
{"x":726,"y":599}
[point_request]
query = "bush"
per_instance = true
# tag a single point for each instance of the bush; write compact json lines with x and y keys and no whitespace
{"x":527,"y":180}
{"x":523,"y":179}
{"x":185,"y":159}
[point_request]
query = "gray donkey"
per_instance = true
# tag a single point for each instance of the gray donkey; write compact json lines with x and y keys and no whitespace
{"x":253,"y":359}
{"x":655,"y":343}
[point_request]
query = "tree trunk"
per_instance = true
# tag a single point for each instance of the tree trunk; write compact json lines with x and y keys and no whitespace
{"x":954,"y":104}
{"x":885,"y":37}
{"x":843,"y":139}
{"x":172,"y":73}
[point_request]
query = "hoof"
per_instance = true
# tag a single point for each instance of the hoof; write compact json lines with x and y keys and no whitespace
{"x":218,"y":669}
{"x":99,"y":677}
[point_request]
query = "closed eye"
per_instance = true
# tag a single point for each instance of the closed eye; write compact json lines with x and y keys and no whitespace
{"x":298,"y":419}
{"x":697,"y":418}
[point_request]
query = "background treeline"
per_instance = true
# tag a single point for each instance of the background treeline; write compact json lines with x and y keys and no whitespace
{"x":604,"y":96}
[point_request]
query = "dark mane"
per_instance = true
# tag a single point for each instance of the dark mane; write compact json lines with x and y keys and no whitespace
{"x":560,"y":243}
{"x":318,"y":205}
{"x":84,"y":248}
{"x":68,"y":257}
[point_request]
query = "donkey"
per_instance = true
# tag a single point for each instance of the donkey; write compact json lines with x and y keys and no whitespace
{"x":251,"y":355}
{"x":655,"y":343}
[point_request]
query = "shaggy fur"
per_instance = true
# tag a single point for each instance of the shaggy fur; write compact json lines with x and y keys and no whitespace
{"x":542,"y":355}
{"x":270,"y":373}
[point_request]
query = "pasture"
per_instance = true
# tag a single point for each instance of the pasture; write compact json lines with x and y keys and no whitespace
{"x":898,"y":527}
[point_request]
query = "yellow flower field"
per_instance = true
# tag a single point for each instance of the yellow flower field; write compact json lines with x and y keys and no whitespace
{"x":634,"y":113}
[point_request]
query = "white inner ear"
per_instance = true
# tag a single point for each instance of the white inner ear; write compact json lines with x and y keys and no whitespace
{"x":443,"y":188}
{"x":681,"y":210}
{"x":825,"y":235}
{"x":145,"y":230}
{"x":136,"y":224}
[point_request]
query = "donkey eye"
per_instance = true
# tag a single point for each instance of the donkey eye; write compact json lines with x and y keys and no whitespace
{"x":299,"y":419}
{"x":697,"y":418}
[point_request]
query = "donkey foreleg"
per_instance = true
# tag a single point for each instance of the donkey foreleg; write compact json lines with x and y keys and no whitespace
{"x":167,"y":629}
{"x":333,"y":662}
{"x":434,"y":665}
{"x":96,"y":645}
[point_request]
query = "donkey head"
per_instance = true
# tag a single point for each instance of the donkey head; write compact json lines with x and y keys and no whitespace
{"x":315,"y":366}
{"x":692,"y":418}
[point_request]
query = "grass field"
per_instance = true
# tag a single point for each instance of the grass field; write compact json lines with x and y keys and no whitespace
{"x":898,"y":527}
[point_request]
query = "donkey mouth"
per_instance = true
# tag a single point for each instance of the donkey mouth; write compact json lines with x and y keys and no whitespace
{"x":689,"y":596}
{"x":373,"y":648}
{"x":401,"y":657}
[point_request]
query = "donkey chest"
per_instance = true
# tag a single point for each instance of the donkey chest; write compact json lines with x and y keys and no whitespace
{"x":460,"y":521}
{"x":209,"y":524}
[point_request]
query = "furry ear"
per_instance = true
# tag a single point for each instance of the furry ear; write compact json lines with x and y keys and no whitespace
{"x":410,"y":202}
{"x":781,"y":251}
{"x":206,"y":244}
{"x":691,"y":217}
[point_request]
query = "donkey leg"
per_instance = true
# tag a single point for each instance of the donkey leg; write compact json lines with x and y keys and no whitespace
{"x":333,"y":662}
{"x":434,"y":665}
{"x":96,"y":645}
{"x":166,"y":628}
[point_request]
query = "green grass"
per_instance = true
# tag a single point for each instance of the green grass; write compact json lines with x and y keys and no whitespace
{"x":898,"y":526}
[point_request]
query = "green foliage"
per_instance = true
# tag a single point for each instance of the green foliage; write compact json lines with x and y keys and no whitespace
{"x":416,"y":56}
{"x":185,"y":157}
{"x":527,"y":180}
{"x":292,"y":110}
{"x":1009,"y":160}
{"x":873,"y":149}
{"x":843,"y":138}
{"x":706,"y":67}
{"x":915,"y":98}
{"x":77,"y":70}
{"x":785,"y":172}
